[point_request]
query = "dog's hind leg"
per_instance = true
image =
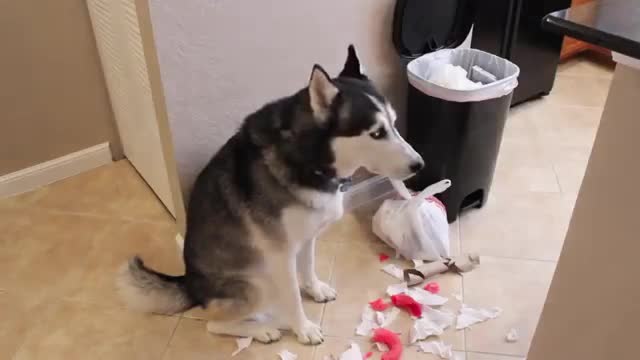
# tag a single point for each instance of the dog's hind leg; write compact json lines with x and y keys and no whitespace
{"x":263,"y":332}
{"x":231,"y":316}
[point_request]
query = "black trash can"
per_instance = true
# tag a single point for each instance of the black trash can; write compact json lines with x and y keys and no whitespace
{"x":458,"y":132}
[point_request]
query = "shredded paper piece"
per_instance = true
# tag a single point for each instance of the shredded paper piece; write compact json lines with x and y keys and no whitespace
{"x":389,"y":317}
{"x":433,"y":323}
{"x":437,"y":348}
{"x":512,"y":336}
{"x":287,"y":355}
{"x":382,"y":347}
{"x":371,"y":319}
{"x":457,"y":296}
{"x":353,"y":353}
{"x":417,"y":263}
{"x":242,"y":343}
{"x":393,"y":270}
{"x":396,"y":289}
{"x":426,"y":298}
{"x":367,"y":323}
{"x":469,"y":316}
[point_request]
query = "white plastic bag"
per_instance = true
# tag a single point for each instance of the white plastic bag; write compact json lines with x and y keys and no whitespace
{"x":416,"y":227}
{"x":420,"y":71}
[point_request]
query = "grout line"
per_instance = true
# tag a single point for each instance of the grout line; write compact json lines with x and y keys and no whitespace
{"x":556,"y":103}
{"x":97,"y":216}
{"x":599,"y":77}
{"x":166,"y":348}
{"x":330,"y":283}
{"x":517,"y":258}
{"x":555,"y":172}
{"x":499,"y":354}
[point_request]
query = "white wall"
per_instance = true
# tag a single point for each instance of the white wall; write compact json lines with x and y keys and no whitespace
{"x":222,"y":59}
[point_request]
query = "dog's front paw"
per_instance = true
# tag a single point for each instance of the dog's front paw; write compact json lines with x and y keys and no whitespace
{"x":309,"y":333}
{"x":320,"y":292}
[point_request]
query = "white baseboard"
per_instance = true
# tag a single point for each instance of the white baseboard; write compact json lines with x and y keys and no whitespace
{"x":54,"y":170}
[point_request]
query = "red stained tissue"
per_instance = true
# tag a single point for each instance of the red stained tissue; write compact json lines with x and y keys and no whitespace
{"x":408,"y":303}
{"x":392,"y":340}
{"x":432,"y":287}
{"x":379,"y":305}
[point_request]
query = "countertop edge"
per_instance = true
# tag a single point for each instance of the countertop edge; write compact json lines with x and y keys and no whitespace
{"x":591,"y":35}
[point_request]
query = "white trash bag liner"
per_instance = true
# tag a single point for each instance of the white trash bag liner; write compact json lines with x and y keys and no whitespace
{"x":426,"y":74}
{"x":415,"y":226}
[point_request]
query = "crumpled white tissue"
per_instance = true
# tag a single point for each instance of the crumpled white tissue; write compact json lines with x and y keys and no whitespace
{"x":389,"y":317}
{"x":367,"y":322}
{"x":396,"y":289}
{"x":353,"y":353}
{"x":393,"y":270}
{"x":287,"y":355}
{"x":374,"y":319}
{"x":426,"y":298}
{"x":437,"y":348}
{"x":469,"y":316}
{"x":242,"y":343}
{"x":453,"y":77}
{"x":432,"y":323}
{"x":512,"y":336}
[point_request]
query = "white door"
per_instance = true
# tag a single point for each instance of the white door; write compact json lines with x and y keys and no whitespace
{"x":122,"y":53}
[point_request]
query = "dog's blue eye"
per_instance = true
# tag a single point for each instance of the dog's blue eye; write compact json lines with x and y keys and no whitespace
{"x":379,"y":134}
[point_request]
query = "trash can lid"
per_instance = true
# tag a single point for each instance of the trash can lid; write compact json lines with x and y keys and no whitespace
{"x":424,"y":26}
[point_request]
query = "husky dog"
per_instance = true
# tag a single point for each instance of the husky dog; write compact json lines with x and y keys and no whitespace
{"x":257,"y":208}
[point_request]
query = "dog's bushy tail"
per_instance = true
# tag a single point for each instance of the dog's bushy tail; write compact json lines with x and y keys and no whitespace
{"x":146,"y":290}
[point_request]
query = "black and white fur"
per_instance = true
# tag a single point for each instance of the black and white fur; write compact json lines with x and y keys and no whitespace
{"x":257,"y":208}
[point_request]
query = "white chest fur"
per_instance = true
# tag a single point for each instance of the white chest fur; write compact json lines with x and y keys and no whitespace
{"x":304,"y":222}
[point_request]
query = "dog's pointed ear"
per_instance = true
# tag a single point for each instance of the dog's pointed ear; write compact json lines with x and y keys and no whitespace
{"x":322,"y":91}
{"x":352,"y":67}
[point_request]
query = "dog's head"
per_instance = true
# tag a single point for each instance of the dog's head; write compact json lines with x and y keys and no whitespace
{"x":361,"y":122}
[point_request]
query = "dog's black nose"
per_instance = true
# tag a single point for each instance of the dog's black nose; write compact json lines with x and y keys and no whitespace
{"x":416,"y":166}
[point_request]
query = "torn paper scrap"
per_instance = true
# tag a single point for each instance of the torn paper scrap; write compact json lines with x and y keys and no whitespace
{"x":396,"y":289}
{"x":393,"y":270}
{"x":512,"y":336}
{"x":379,"y":305}
{"x":432,"y":287}
{"x":242,"y":343}
{"x":392,"y":340}
{"x":457,"y":296}
{"x":367,"y":322}
{"x":381,"y":347}
{"x":437,"y":348}
{"x":380,"y":317}
{"x":432,"y":323}
{"x":417,"y":263}
{"x":426,"y":298}
{"x":407,"y":303}
{"x":371,"y":319}
{"x":389,"y":317}
{"x":353,"y":353}
{"x":469,"y":316}
{"x":287,"y":355}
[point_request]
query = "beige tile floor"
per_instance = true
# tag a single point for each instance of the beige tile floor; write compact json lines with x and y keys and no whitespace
{"x":61,"y":245}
